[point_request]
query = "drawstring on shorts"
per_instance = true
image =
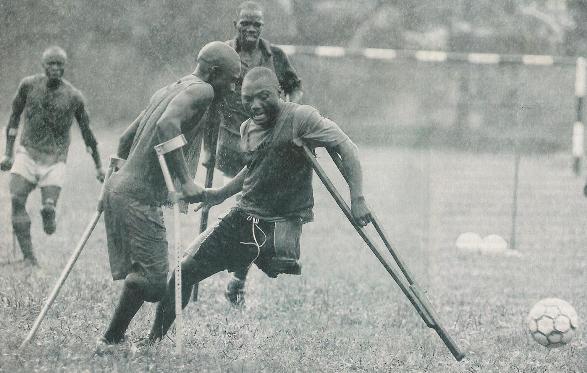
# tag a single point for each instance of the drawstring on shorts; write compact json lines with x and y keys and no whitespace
{"x":254,"y":226}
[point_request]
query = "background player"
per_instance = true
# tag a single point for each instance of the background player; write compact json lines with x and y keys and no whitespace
{"x":49,"y":103}
{"x":253,"y":51}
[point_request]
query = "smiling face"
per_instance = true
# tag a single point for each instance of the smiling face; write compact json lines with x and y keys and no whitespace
{"x":249,"y":26}
{"x":260,"y":97}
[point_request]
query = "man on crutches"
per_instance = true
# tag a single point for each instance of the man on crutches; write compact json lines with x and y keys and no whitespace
{"x":277,"y":198}
{"x":153,"y":148}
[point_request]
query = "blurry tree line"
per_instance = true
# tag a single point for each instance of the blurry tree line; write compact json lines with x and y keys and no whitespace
{"x":120,"y":51}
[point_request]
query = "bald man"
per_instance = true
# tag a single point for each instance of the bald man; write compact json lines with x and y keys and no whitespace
{"x":50,"y":103}
{"x":277,"y":198}
{"x":137,"y":244}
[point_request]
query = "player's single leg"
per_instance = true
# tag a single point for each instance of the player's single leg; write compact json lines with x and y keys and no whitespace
{"x":50,"y":181}
{"x":20,"y":188}
{"x":235,"y":289}
{"x":192,"y":272}
{"x":137,"y":250}
{"x":49,"y":197}
{"x":137,"y":289}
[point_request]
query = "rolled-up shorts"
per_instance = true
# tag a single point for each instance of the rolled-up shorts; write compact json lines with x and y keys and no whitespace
{"x":38,"y":173}
{"x":137,"y":241}
{"x":236,"y":241}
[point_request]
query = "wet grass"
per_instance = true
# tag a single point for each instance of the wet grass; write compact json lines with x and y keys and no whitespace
{"x":344,"y":313}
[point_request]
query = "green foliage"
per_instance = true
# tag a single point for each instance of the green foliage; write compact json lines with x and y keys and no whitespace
{"x":121,"y":51}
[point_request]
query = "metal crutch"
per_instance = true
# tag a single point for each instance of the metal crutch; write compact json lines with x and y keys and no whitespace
{"x":161,"y":150}
{"x":407,"y":285}
{"x":115,"y":163}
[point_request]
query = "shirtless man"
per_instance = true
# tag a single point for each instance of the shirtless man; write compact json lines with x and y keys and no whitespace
{"x":50,"y":103}
{"x":254,"y":51}
{"x":277,"y":196}
{"x":137,"y":244}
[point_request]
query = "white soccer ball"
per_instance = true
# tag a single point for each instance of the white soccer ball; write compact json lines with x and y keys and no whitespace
{"x":493,"y":245}
{"x":552,"y":322}
{"x":469,"y":242}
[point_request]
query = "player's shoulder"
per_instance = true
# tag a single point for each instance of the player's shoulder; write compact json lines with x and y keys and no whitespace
{"x":304,"y":111}
{"x":200,"y":91}
{"x":276,"y":51}
{"x":74,"y":94}
{"x":31,"y":80}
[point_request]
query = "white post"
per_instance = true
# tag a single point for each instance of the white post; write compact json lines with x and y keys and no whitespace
{"x":578,"y":147}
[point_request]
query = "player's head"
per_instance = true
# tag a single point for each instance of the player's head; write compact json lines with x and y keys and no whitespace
{"x":260,"y":95}
{"x":249,"y":22}
{"x":220,"y":66}
{"x":53,"y":61}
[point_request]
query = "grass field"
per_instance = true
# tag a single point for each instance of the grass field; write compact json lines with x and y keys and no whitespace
{"x":344,"y":313}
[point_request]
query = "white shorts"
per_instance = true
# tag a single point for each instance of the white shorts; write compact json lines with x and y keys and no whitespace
{"x":37,"y":173}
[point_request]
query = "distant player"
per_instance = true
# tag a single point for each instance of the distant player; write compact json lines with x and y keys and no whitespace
{"x":137,"y":244}
{"x":50,"y":103}
{"x":277,"y":198}
{"x":253,"y":51}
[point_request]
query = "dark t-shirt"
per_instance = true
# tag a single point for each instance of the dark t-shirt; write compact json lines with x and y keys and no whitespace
{"x":141,"y":177}
{"x":48,"y":115}
{"x":278,"y":180}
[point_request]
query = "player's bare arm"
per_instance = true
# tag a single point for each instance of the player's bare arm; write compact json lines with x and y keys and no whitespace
{"x":216,"y":196}
{"x":18,"y":105}
{"x":83,"y":120}
{"x":126,"y":139}
{"x":349,"y":154}
{"x":182,"y":115}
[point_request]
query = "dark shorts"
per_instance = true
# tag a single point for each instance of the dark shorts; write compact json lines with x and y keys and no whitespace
{"x":231,"y":245}
{"x":136,"y":236}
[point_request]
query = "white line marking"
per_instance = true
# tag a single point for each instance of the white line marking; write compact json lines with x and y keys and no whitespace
{"x":483,"y":58}
{"x":329,"y":51}
{"x":381,"y":54}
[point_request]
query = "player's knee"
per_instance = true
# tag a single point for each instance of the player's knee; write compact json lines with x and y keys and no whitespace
{"x":18,"y":202}
{"x":150,"y":290}
{"x":155,"y":291}
{"x":21,"y":222}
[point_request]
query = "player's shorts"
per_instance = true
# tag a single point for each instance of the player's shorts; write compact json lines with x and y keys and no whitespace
{"x":38,"y":173}
{"x":136,"y":236}
{"x":237,"y":240}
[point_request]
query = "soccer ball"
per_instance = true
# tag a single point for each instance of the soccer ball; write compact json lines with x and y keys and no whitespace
{"x":493,"y":244}
{"x":469,"y":242}
{"x":552,"y":322}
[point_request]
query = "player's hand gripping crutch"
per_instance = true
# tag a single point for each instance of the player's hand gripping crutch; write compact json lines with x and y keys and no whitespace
{"x":115,"y":163}
{"x":406,"y":283}
{"x":162,"y":149}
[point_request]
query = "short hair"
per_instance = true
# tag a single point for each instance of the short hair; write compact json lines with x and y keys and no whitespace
{"x":258,"y":73}
{"x":54,"y":51}
{"x":252,"y":6}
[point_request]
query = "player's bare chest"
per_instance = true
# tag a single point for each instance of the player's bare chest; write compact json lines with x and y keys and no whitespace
{"x":51,"y":102}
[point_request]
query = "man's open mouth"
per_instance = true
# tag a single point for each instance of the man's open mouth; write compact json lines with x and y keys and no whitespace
{"x":259,"y":117}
